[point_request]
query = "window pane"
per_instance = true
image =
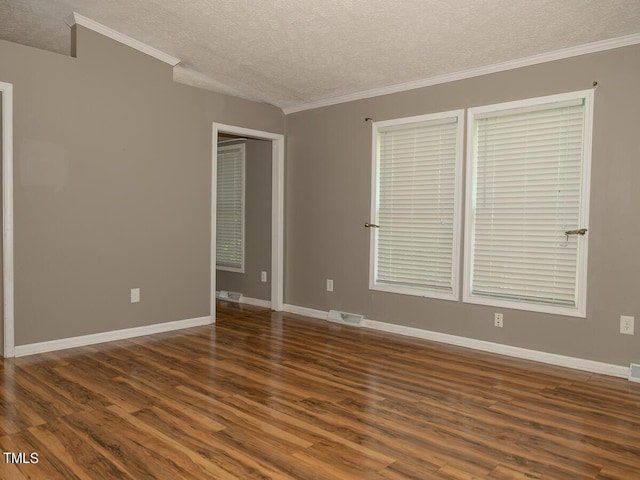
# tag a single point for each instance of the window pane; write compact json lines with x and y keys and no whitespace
{"x":416,"y":205}
{"x":527,"y":191}
{"x":230,"y":207}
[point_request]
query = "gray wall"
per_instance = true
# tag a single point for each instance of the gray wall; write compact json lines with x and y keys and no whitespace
{"x":112,"y":187}
{"x":257,"y":226}
{"x":328,"y":185}
{"x":112,"y":191}
{"x":1,"y":242}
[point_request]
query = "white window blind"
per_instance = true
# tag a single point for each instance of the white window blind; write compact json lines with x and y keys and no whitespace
{"x":527,"y":171}
{"x":230,"y":208}
{"x":416,"y":205}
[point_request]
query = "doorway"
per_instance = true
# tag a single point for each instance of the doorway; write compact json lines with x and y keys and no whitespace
{"x":6,"y":147}
{"x":276,"y":214}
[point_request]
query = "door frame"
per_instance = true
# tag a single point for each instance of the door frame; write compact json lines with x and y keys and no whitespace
{"x":6,"y":89}
{"x":277,"y":210}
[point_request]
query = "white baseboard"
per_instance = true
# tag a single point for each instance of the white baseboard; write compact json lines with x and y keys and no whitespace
{"x":256,"y":302}
{"x":307,"y":312}
{"x":535,"y":355}
{"x":524,"y":353}
{"x":84,"y":340}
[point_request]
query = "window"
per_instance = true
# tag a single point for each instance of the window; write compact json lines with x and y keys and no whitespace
{"x":528,"y":167}
{"x":230,"y":208}
{"x":415,"y":203}
{"x":527,"y":185}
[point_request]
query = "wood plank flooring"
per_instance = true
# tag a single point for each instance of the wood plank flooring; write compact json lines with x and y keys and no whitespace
{"x":264,"y":395}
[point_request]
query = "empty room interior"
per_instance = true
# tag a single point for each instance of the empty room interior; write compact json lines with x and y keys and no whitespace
{"x":320,"y":240}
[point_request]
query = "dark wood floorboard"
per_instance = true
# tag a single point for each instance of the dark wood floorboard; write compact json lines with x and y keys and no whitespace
{"x":265,"y":395}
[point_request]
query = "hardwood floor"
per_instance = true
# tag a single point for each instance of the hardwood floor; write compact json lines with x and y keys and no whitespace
{"x":270,"y":395}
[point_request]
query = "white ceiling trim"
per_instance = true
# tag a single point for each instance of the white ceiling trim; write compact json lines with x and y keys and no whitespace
{"x":77,"y":19}
{"x":587,"y":48}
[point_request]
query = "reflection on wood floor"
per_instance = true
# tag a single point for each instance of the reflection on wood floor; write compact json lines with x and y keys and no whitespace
{"x":272,"y":395}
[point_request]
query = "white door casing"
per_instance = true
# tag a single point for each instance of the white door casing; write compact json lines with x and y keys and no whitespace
{"x":6,"y":90}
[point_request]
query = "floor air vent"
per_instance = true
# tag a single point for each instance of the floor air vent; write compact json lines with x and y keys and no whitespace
{"x":231,"y":296}
{"x":344,"y":317}
{"x":634,"y":372}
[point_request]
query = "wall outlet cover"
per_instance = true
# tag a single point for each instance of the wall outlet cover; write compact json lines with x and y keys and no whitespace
{"x":135,"y":295}
{"x":626,"y":325}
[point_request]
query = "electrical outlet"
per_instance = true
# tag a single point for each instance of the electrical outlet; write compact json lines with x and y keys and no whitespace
{"x":263,"y":276}
{"x":626,"y":325}
{"x":135,"y":295}
{"x":329,"y":285}
{"x":498,"y":320}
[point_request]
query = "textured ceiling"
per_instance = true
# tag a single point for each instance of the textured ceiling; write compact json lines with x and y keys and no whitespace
{"x":294,"y":52}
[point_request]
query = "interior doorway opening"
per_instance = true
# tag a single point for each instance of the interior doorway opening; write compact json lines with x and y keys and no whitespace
{"x":243,"y":235}
{"x":229,"y":135}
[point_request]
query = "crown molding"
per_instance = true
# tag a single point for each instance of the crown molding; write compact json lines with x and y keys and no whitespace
{"x":77,"y":19}
{"x":587,"y":48}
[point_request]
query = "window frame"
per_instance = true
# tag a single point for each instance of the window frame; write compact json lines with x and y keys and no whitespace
{"x":454,"y":295}
{"x":241,"y":268}
{"x":582,"y":257}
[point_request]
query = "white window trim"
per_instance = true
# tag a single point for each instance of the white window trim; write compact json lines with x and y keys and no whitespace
{"x":468,"y":297}
{"x":242,"y":148}
{"x":457,"y":217}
